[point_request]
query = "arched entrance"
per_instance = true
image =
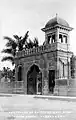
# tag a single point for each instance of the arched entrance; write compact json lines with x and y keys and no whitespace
{"x":34,"y":80}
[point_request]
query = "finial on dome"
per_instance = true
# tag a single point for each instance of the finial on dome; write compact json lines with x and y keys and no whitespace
{"x":56,"y":15}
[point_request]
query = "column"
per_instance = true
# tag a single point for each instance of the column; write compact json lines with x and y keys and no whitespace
{"x":46,"y":38}
{"x":68,"y":38}
{"x":56,"y":88}
{"x":68,"y":44}
{"x":25,"y":78}
{"x":57,"y":35}
{"x":44,"y":83}
{"x":16,"y":73}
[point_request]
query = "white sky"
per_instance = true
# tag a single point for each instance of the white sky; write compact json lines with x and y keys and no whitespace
{"x":18,"y":16}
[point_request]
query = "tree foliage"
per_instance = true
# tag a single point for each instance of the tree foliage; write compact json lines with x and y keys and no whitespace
{"x":12,"y":45}
{"x":8,"y":73}
{"x":18,"y":42}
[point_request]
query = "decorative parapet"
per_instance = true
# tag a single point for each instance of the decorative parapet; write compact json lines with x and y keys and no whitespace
{"x":38,"y":50}
{"x":41,"y":49}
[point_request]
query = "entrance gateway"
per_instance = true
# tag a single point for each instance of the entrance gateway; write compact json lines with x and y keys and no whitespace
{"x":34,"y":80}
{"x":47,"y":69}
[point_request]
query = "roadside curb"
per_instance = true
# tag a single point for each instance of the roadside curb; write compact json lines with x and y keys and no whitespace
{"x":61,"y":98}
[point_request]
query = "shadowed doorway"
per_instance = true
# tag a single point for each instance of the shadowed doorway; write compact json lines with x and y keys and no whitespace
{"x":20,"y":73}
{"x":34,"y":80}
{"x":51,"y":80}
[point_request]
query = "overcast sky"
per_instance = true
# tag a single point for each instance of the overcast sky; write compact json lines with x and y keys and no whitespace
{"x":18,"y":16}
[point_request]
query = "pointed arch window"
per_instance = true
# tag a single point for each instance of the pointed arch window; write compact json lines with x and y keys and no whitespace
{"x":51,"y":39}
{"x":65,"y":39}
{"x":60,"y":38}
{"x":20,"y":73}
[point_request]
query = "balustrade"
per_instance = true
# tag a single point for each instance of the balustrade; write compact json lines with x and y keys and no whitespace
{"x":36,"y":50}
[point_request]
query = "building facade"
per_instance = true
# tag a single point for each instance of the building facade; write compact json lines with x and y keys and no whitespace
{"x":47,"y":69}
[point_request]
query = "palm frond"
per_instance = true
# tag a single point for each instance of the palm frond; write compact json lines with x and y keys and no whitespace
{"x":9,"y":51}
{"x":8,"y":38}
{"x":8,"y":58}
{"x":10,"y":42}
{"x":17,"y":37}
{"x":25,"y":38}
{"x":30,"y":44}
{"x":36,"y":43}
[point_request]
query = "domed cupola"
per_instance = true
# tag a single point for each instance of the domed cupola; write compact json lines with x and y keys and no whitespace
{"x":56,"y":21}
{"x":57,"y":32}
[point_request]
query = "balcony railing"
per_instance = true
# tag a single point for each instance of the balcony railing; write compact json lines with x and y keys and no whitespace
{"x":40,"y":49}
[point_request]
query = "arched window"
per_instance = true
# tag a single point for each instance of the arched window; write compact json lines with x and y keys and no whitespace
{"x":65,"y":39}
{"x":60,"y":38}
{"x":51,"y":39}
{"x":20,"y":73}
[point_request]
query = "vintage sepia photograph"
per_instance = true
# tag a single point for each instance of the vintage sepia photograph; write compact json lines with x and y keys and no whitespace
{"x":37,"y":59}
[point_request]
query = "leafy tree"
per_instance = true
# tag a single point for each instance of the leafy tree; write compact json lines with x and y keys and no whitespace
{"x":4,"y":72}
{"x":8,"y":73}
{"x":17,"y":42}
{"x":12,"y":45}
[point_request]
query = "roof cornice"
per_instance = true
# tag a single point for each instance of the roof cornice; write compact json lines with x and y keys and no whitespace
{"x":57,"y":26}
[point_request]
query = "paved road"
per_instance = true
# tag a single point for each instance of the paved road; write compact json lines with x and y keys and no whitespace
{"x":22,"y":107}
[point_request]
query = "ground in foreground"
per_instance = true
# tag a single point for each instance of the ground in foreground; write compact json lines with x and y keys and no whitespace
{"x":27,"y":107}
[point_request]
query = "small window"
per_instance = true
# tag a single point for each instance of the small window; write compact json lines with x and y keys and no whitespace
{"x":60,"y":38}
{"x":65,"y":39}
{"x":53,"y":38}
{"x":49,"y":39}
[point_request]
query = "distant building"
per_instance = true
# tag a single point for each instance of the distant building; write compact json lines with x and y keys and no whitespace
{"x":49,"y":69}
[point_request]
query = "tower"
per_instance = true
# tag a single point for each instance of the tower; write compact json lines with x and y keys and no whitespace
{"x":57,"y":36}
{"x":57,"y":33}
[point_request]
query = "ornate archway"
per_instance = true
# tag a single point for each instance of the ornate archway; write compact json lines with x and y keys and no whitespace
{"x":34,"y":80}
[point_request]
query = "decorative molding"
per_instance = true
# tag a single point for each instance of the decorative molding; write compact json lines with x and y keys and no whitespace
{"x":63,"y":62}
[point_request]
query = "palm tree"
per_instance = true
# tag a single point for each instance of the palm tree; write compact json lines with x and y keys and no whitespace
{"x":11,"y":46}
{"x":21,"y":41}
{"x":30,"y":44}
{"x":36,"y":43}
